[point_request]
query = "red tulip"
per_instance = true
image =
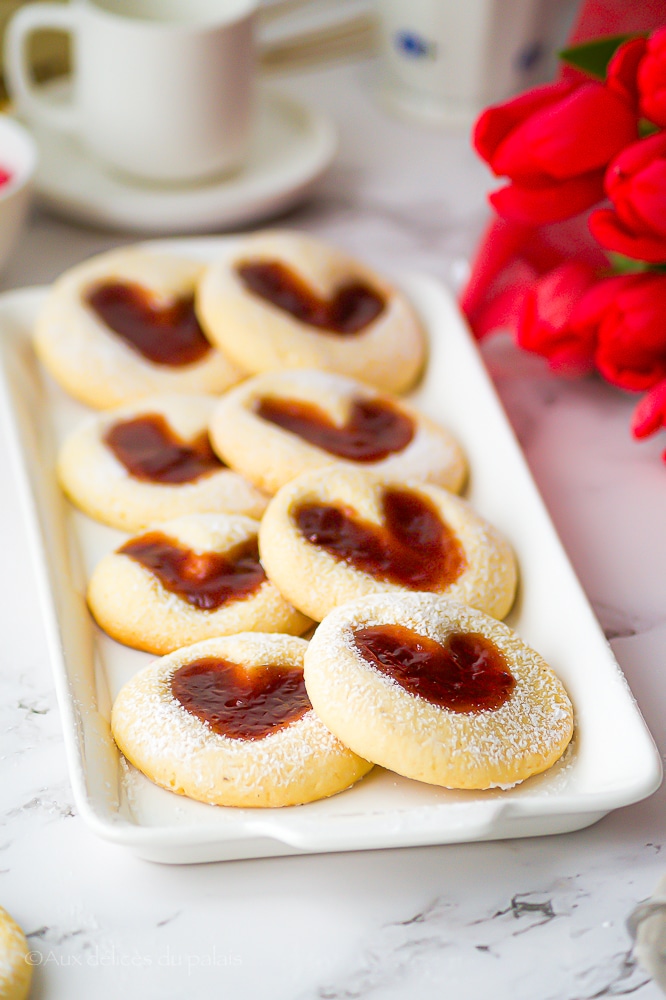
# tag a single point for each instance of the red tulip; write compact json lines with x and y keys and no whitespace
{"x":636,"y":185}
{"x":652,"y":79}
{"x":650,"y":414}
{"x":545,"y":326}
{"x":638,"y":72}
{"x":628,"y":313}
{"x":554,"y":143}
{"x":622,"y":72}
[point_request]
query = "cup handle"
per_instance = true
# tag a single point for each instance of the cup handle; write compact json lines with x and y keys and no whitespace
{"x":27,"y":20}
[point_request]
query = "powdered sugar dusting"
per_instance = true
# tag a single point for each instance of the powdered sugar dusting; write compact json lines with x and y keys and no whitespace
{"x":130,"y":602}
{"x":529,"y":728}
{"x":95,"y":365}
{"x":160,"y":736}
{"x":100,"y":484}
{"x":316,"y":581}
{"x":267,"y":452}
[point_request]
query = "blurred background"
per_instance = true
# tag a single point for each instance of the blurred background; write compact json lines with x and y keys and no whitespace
{"x":501,"y":46}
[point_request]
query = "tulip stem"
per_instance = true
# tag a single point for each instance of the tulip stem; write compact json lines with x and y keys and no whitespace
{"x":628,"y":265}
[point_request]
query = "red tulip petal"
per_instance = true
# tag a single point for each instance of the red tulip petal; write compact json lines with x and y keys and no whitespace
{"x":632,"y":334}
{"x":607,"y":229}
{"x":580,"y":133}
{"x":627,"y":377}
{"x":650,"y":414}
{"x":501,"y":312}
{"x":551,"y":300}
{"x":647,"y":196}
{"x":544,"y":323}
{"x":623,"y":69}
{"x":572,"y":359}
{"x":552,"y":203}
{"x":592,"y":305}
{"x":495,"y":123}
{"x":636,"y":156}
{"x":636,"y":184}
{"x":652,"y":79}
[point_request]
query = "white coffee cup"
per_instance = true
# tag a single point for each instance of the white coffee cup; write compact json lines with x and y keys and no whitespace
{"x":161,"y":89}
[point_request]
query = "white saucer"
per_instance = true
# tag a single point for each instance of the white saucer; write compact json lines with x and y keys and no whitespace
{"x":292,"y":147}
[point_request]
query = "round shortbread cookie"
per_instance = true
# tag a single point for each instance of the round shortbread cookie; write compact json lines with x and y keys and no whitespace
{"x":437,"y":691}
{"x":190,"y":579}
{"x":169,"y":432}
{"x":256,"y":688}
{"x":319,"y":288}
{"x":269,"y":427}
{"x":149,"y":296}
{"x":15,"y":966}
{"x":412,"y":536}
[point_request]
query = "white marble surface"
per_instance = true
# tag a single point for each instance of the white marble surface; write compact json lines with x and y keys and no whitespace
{"x":539,"y":919}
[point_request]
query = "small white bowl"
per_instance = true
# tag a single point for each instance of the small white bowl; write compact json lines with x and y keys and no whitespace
{"x":18,"y":155}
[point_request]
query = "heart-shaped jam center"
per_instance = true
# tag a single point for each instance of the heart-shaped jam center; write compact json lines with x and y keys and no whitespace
{"x":205,"y":580}
{"x":467,"y":673}
{"x":151,"y":451}
{"x":374,"y":429}
{"x":353,"y":307}
{"x":240,"y":703}
{"x":413,"y":547}
{"x":164,"y":334}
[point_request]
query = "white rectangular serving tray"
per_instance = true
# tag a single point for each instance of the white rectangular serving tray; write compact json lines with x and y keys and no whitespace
{"x":598,"y":773}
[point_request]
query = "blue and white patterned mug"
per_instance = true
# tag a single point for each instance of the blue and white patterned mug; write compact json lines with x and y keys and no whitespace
{"x":444,"y":60}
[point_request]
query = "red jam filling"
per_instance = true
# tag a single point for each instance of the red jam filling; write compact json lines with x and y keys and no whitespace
{"x":205,"y":580}
{"x":151,"y":451}
{"x":467,"y":673}
{"x":353,"y":307}
{"x":374,"y":429}
{"x":164,"y":334}
{"x":238,"y":703}
{"x":413,"y":548}
{"x":5,"y":176}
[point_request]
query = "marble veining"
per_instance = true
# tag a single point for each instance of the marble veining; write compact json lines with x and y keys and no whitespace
{"x":618,"y":624}
{"x":442,"y":929}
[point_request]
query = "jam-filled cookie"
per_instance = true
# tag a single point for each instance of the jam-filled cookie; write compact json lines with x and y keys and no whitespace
{"x":277,"y":425}
{"x":437,"y":691}
{"x":286,"y":300}
{"x":150,"y":462}
{"x":122,"y":326}
{"x":334,"y":535}
{"x":190,"y":579}
{"x":228,"y":721}
{"x":15,"y":966}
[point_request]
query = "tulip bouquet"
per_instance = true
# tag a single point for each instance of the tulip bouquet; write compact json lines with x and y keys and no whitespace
{"x":585,"y":203}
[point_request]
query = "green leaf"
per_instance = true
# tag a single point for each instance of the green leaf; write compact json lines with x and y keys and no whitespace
{"x":646,"y":128}
{"x":593,"y":57}
{"x":627,"y":265}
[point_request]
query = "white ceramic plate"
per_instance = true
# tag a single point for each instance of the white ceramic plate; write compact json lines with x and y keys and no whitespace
{"x":598,"y":773}
{"x":292,"y":146}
